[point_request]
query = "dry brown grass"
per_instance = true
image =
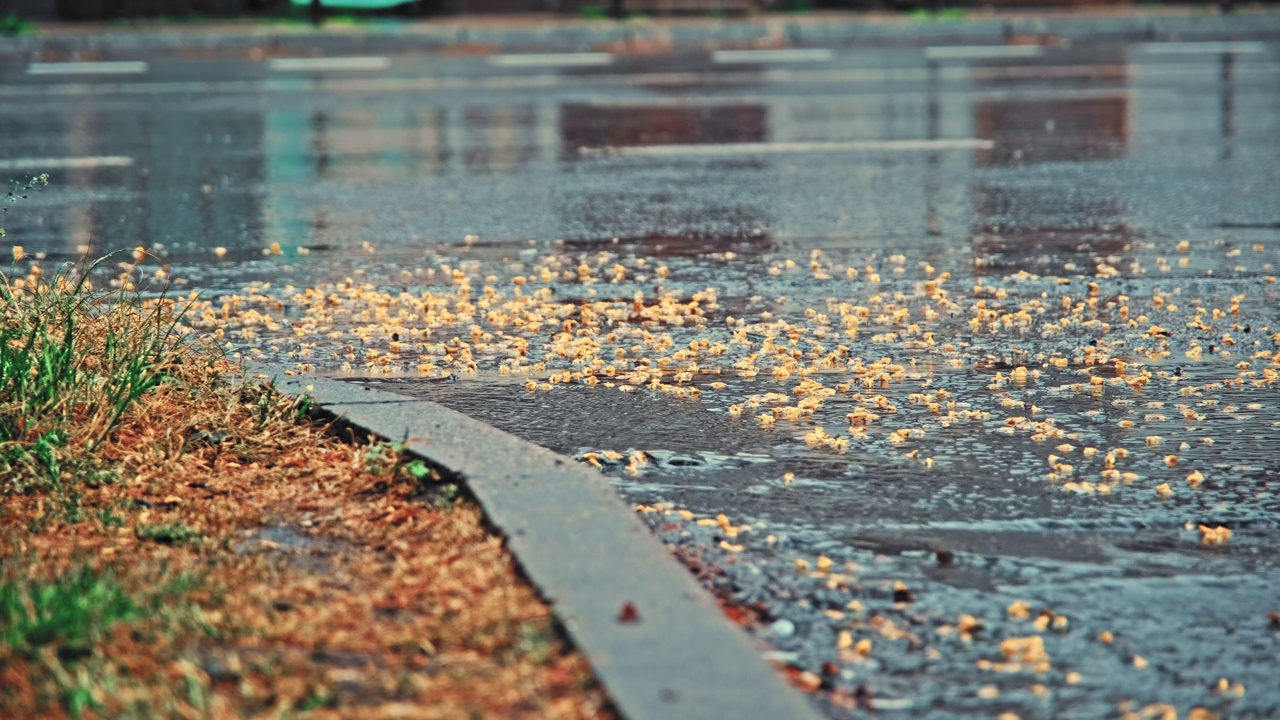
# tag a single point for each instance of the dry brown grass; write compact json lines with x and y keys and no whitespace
{"x":271,"y":567}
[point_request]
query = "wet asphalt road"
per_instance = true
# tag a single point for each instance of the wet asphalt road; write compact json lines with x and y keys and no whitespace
{"x":1024,"y":173}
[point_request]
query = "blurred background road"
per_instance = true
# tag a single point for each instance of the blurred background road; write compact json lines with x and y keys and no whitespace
{"x":772,"y":145}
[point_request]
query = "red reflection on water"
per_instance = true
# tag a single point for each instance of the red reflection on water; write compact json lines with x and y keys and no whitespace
{"x":585,"y":125}
{"x":1035,"y":130}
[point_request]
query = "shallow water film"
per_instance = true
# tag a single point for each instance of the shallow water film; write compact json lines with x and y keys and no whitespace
{"x":955,"y":381}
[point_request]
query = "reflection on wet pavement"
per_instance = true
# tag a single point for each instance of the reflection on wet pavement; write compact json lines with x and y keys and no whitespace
{"x":588,"y":126}
{"x":1029,"y":373}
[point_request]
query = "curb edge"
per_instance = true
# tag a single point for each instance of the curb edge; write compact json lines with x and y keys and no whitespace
{"x":588,"y":555}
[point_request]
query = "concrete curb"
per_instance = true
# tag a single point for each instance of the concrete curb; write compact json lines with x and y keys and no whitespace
{"x":566,"y":35}
{"x":589,"y":555}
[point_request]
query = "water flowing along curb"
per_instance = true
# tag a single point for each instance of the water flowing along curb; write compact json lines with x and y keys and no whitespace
{"x":590,"y":556}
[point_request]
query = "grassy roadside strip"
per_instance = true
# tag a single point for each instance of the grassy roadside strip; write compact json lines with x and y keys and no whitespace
{"x":179,"y":542}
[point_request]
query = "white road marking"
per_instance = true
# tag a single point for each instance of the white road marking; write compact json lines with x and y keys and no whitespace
{"x":982,"y":52}
{"x":791,"y":77}
{"x":552,"y":60}
{"x":93,"y":161}
{"x":793,"y":147}
{"x":1200,"y":48}
{"x":87,"y":68}
{"x":731,"y":57}
{"x":376,"y":62}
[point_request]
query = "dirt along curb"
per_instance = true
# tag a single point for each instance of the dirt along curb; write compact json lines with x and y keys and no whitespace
{"x":656,"y":639}
{"x":549,"y":33}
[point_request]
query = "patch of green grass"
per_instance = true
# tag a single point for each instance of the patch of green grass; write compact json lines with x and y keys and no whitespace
{"x":394,"y":462}
{"x":13,"y":26}
{"x":69,"y":612}
{"x":301,"y":15}
{"x":944,"y":15}
{"x":318,"y":700}
{"x":55,"y":370}
{"x":60,"y":629}
{"x":174,"y":533}
{"x":348,"y":19}
{"x":444,"y":496}
{"x":536,"y":642}
{"x":110,"y":519}
{"x":94,"y":477}
{"x":593,"y":12}
{"x":73,"y":360}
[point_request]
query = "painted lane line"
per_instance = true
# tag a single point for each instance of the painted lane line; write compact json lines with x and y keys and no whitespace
{"x":792,"y":78}
{"x":552,"y":60}
{"x":731,"y":57}
{"x":87,"y":68}
{"x":982,"y":52}
{"x":376,"y":62}
{"x":792,"y":147}
{"x":93,"y":161}
{"x":795,"y":81}
{"x":1200,"y":48}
